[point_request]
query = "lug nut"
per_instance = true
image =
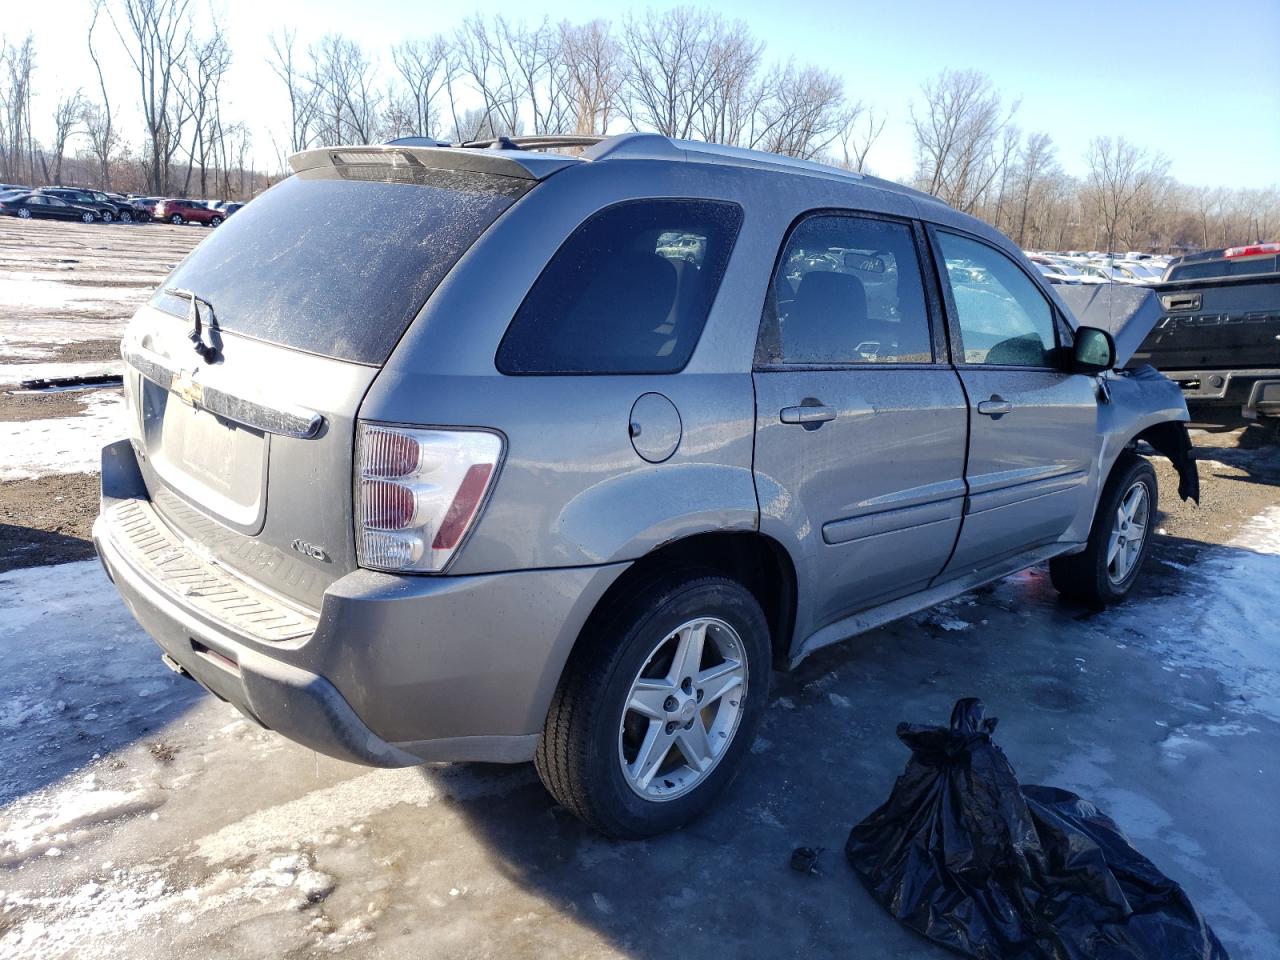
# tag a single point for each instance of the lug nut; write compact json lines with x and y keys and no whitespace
{"x":689,"y":725}
{"x":670,"y":704}
{"x":671,"y":727}
{"x":686,"y":684}
{"x":700,"y":694}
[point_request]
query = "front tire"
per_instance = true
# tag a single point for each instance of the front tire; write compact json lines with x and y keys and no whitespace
{"x":87,"y":217}
{"x":658,"y":706}
{"x":214,"y":221}
{"x":24,"y":213}
{"x":1119,"y":540}
{"x":107,"y":216}
{"x":126,"y":216}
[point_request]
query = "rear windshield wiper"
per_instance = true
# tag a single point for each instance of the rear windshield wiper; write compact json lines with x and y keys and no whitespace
{"x":204,"y":332}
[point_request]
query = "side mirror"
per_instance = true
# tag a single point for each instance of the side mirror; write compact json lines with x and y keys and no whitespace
{"x":1095,"y":351}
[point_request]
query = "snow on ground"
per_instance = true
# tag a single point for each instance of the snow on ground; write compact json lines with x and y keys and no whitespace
{"x":15,"y":373}
{"x":80,"y":677}
{"x":27,"y":292}
{"x":1229,"y":624}
{"x":36,"y":448}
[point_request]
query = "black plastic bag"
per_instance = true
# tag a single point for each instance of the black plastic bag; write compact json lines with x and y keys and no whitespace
{"x":963,"y":854}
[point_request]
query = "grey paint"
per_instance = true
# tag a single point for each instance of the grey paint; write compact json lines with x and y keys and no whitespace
{"x":876,"y":509}
{"x":655,"y":427}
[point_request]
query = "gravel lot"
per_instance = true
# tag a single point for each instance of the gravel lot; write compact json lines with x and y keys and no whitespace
{"x":141,"y":818}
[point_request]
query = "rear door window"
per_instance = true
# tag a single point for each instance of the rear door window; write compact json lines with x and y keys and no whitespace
{"x":847,"y":290}
{"x":628,"y":292}
{"x":338,"y":261}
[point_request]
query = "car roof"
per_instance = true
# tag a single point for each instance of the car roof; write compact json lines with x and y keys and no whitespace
{"x":527,"y":159}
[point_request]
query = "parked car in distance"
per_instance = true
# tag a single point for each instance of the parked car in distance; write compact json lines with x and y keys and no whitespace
{"x":106,"y":209}
{"x":187,"y":211}
{"x":28,"y":205}
{"x":530,"y":456}
{"x":1219,"y":336}
{"x":136,"y":210}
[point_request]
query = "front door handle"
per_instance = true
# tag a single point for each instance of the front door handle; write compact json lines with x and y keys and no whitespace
{"x":810,"y":415}
{"x":995,"y":408}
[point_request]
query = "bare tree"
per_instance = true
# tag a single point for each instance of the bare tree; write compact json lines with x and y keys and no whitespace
{"x":426,"y":68}
{"x":1035,"y":163}
{"x":801,"y":113}
{"x":200,"y":94}
{"x":1119,"y":174}
{"x":98,"y":120}
{"x":302,"y":94}
{"x":668,"y":76}
{"x":592,"y":58}
{"x":489,"y":67}
{"x":66,"y":115}
{"x":859,"y":131}
{"x":17,"y":63}
{"x":159,"y":34}
{"x":961,"y":146}
{"x":348,"y":103}
{"x":734,"y":96}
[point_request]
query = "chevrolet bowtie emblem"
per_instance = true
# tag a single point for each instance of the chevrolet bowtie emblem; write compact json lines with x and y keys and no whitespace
{"x":186,"y":388}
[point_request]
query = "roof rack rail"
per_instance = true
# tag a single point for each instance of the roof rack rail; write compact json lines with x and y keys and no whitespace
{"x":542,"y":142}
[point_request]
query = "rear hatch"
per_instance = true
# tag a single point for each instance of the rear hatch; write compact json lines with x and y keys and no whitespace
{"x":248,"y":366}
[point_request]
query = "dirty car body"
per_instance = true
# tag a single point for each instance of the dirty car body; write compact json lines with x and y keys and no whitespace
{"x":469,"y":437}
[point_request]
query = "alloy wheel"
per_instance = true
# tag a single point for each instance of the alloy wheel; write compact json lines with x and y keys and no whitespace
{"x":1128,"y":532}
{"x":683,"y":709}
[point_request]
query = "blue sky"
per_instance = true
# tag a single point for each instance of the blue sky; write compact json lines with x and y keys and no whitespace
{"x":1198,"y":81}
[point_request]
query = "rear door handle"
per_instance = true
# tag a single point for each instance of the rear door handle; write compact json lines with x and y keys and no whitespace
{"x":808,"y":414}
{"x":995,"y":408}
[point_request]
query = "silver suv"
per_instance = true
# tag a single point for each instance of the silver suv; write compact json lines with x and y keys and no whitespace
{"x":457,"y":453}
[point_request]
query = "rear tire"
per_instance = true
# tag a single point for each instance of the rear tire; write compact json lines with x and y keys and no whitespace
{"x":24,"y":213}
{"x":1109,"y":566}
{"x":86,"y":217}
{"x":614,"y":704}
{"x":176,"y":219}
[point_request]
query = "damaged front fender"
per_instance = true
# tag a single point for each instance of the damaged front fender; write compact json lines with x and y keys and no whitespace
{"x":1143,"y":404}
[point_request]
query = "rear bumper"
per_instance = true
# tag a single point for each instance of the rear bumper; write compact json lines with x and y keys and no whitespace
{"x":1253,"y":392}
{"x":394,"y":671}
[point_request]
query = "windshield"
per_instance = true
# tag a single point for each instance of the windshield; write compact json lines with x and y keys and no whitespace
{"x":336,"y":262}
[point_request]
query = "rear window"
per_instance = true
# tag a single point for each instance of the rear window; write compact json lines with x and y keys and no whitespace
{"x":336,"y":262}
{"x":628,"y":292}
{"x":1206,"y":269}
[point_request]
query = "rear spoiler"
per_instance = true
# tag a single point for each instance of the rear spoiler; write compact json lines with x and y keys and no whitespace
{"x":519,"y":164}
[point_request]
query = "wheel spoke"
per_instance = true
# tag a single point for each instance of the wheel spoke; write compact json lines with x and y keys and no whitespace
{"x":694,"y":744}
{"x":648,"y":697}
{"x":696,"y":719}
{"x":715,"y":682}
{"x":688,"y":657}
{"x":653,"y":750}
{"x":1113,"y":547}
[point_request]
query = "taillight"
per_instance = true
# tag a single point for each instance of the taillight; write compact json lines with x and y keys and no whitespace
{"x":418,"y":493}
{"x":1252,"y":250}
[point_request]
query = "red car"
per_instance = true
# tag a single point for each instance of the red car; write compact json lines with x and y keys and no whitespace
{"x":187,"y":211}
